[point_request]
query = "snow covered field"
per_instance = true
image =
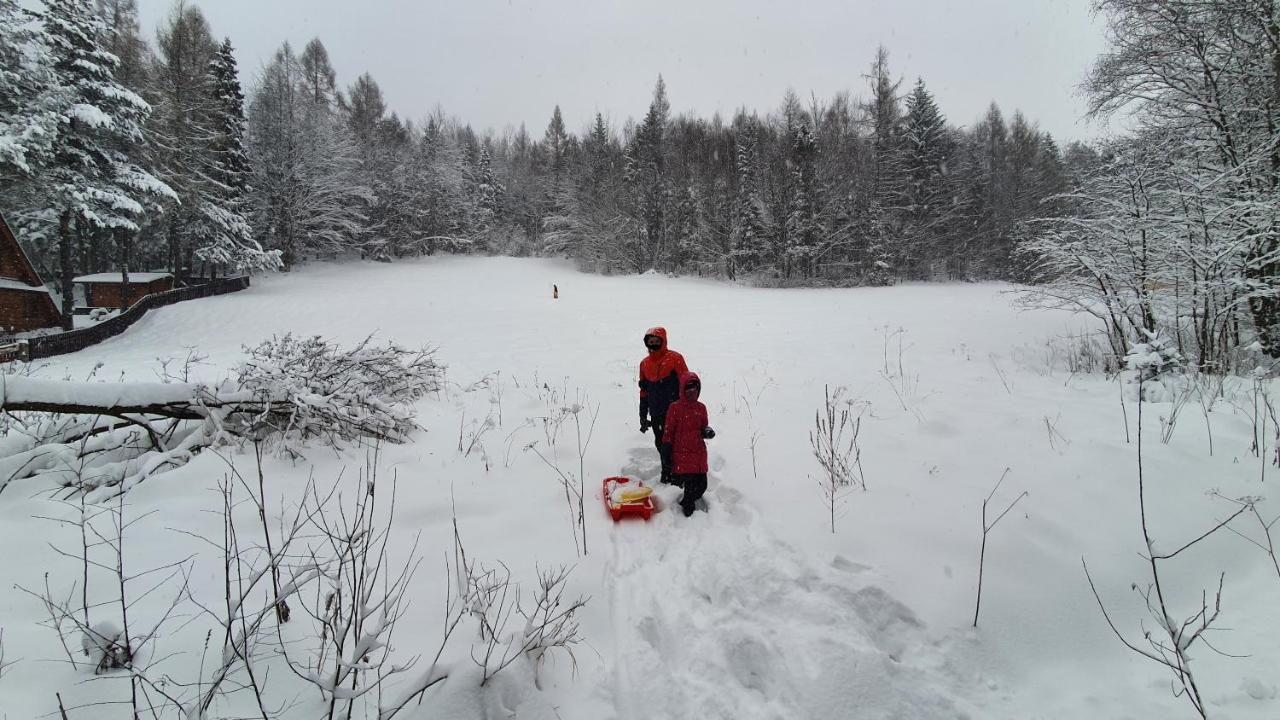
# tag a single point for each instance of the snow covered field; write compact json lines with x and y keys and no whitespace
{"x":756,"y":609}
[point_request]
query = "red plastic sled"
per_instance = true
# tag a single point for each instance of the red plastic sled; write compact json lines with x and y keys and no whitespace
{"x":644,"y":508}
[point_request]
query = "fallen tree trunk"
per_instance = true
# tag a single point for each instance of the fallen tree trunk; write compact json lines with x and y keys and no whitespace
{"x":180,"y":401}
{"x":288,"y":392}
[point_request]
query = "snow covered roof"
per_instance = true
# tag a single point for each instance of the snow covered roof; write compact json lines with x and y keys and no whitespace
{"x":11,"y":284}
{"x":134,"y":277}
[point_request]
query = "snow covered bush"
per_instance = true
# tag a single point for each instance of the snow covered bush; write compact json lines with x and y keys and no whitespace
{"x":309,"y":387}
{"x":1153,"y":363}
{"x":106,"y":647}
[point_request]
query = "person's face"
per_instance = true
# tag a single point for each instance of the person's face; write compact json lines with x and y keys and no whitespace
{"x":653,"y":342}
{"x":692,"y":391}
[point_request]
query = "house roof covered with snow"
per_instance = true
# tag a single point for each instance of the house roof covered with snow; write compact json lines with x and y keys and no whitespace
{"x":14,"y":263}
{"x":118,"y":278}
{"x":11,"y":284}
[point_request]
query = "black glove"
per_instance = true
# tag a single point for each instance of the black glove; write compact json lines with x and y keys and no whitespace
{"x":644,"y":425}
{"x":708,"y":433}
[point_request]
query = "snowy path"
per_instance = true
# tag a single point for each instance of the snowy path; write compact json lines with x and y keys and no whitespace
{"x":716,"y":618}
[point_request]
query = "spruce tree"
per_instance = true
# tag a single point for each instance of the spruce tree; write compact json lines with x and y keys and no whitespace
{"x":223,"y":236}
{"x":881,"y":227}
{"x":647,"y":172}
{"x":750,"y":235}
{"x":29,"y":109}
{"x":802,"y":225}
{"x":91,"y":183}
{"x":928,"y":207}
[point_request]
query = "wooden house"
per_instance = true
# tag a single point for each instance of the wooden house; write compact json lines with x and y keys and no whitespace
{"x":25,"y":302}
{"x":107,"y":290}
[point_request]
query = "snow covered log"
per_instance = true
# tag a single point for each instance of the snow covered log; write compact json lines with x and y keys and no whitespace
{"x":173,"y":400}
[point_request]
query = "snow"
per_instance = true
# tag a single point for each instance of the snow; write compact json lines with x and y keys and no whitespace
{"x":90,"y":115}
{"x":754,"y":609}
{"x":11,"y":284}
{"x":134,"y":277}
{"x":15,"y":389}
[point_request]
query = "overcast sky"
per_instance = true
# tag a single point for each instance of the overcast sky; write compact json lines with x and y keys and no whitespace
{"x":497,"y":63}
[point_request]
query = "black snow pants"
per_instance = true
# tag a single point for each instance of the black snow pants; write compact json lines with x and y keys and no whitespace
{"x":694,"y":484}
{"x":657,"y":429}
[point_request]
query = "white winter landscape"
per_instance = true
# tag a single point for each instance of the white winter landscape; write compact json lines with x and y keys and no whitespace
{"x":758,"y":608}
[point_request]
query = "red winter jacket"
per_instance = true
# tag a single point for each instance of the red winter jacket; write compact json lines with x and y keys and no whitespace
{"x":685,"y":421}
{"x":659,"y":379}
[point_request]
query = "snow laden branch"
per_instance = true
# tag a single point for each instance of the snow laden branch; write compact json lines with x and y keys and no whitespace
{"x":290,"y":391}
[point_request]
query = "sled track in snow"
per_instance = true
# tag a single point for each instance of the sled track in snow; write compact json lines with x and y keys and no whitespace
{"x":715,"y":618}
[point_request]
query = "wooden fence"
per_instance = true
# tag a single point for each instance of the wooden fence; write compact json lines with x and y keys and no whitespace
{"x":71,"y":341}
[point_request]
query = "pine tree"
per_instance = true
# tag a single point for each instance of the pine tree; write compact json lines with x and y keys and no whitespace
{"x":646,"y":160}
{"x":557,"y":143}
{"x":802,"y":224}
{"x":223,"y":236}
{"x":91,"y":182}
{"x":882,"y":228}
{"x":487,"y":192}
{"x":750,"y":235}
{"x":29,"y":112}
{"x":929,"y":193}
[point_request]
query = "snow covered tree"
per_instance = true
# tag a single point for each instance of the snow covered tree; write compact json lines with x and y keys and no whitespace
{"x":1109,"y":256}
{"x":29,"y":116}
{"x":487,"y":192}
{"x":557,"y":145}
{"x":802,"y":223}
{"x":750,"y":235}
{"x":318,"y":79}
{"x":124,"y":40}
{"x":1210,"y":72}
{"x":990,"y":195}
{"x":646,"y":170}
{"x":91,"y":183}
{"x":884,"y":116}
{"x":309,"y":196}
{"x":222,"y":234}
{"x":928,"y":195}
{"x":183,"y":99}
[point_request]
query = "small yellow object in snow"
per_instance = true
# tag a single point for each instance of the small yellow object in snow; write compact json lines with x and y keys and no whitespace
{"x":630,"y":495}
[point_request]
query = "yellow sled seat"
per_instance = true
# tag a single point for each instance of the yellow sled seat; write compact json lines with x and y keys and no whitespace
{"x":638,"y":494}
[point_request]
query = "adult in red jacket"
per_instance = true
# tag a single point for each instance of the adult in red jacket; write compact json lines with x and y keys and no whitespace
{"x":684,"y":441}
{"x":659,"y":387}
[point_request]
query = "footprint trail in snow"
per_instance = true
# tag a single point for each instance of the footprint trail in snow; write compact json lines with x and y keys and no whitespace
{"x":716,"y":618}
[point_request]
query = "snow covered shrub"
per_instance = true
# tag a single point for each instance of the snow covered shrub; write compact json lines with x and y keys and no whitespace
{"x":100,"y":314}
{"x":106,"y":647}
{"x":1154,"y":363}
{"x":312,"y":388}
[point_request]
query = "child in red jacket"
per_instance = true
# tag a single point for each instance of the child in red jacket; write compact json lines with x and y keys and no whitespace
{"x":684,"y":441}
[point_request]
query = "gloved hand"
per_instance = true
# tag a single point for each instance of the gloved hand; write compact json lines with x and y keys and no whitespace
{"x":708,"y":433}
{"x":644,"y":425}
